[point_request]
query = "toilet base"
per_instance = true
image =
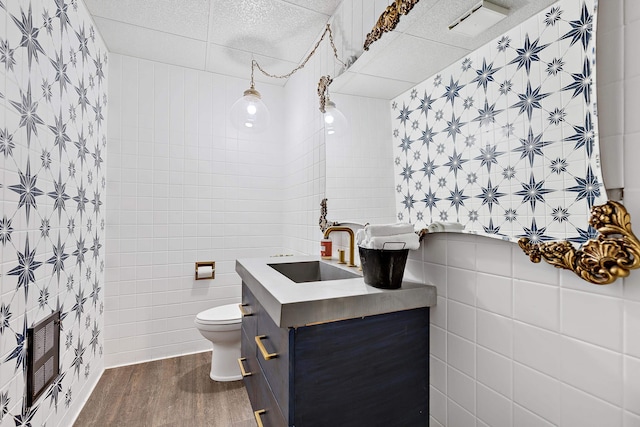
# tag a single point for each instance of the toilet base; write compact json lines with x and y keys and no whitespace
{"x":225,"y":379}
{"x":224,"y":362}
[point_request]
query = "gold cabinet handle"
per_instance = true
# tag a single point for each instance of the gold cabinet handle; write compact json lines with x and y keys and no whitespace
{"x":257,"y":414}
{"x":263,"y":350}
{"x":242,"y":371}
{"x":244,"y":312}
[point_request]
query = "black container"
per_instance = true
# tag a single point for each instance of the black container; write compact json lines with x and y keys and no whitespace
{"x":383,"y":268}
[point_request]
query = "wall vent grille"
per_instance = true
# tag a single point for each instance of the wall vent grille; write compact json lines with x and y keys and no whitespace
{"x":43,"y":354}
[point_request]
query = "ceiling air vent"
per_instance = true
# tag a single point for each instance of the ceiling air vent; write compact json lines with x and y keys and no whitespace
{"x":480,"y":18}
{"x":43,"y":352}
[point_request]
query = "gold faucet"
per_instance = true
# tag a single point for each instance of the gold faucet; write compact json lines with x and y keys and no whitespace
{"x":351,"y":240}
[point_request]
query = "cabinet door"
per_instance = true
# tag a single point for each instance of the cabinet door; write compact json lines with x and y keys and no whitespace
{"x":363,"y":372}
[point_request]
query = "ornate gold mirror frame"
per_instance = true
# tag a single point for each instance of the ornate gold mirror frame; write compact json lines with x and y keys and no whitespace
{"x":323,"y":89}
{"x":613,"y":254}
{"x":602,"y":260}
{"x":389,"y":20}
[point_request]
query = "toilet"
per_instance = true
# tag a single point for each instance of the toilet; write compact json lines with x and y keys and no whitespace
{"x":221,"y":325}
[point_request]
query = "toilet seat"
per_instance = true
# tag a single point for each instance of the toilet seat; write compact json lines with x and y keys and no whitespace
{"x":223,"y":315}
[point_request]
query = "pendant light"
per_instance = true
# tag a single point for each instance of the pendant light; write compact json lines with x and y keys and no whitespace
{"x":250,"y":114}
{"x":335,"y":123}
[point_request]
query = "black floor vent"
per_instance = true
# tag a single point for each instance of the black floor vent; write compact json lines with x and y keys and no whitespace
{"x":43,"y":353}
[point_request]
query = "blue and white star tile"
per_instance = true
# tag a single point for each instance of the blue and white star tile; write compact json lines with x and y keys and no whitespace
{"x":47,"y":54}
{"x":512,"y":126}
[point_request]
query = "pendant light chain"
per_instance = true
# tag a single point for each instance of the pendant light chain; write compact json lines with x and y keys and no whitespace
{"x":254,"y":63}
{"x":249,"y":112}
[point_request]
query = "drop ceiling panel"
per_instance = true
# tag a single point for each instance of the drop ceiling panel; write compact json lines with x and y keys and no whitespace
{"x":366,"y":56}
{"x":234,"y":62}
{"x":187,"y":18}
{"x":326,"y":7}
{"x":223,"y":35}
{"x":434,"y":24}
{"x":154,"y":45}
{"x":369,"y":86}
{"x":412,"y":59}
{"x":272,"y":28}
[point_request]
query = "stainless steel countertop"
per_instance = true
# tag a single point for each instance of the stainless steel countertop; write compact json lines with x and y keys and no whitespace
{"x":293,"y":304}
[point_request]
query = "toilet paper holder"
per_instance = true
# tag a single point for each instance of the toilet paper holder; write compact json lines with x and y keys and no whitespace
{"x":203,"y":272}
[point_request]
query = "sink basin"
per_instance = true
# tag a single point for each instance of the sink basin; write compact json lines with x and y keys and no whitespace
{"x":312,"y":271}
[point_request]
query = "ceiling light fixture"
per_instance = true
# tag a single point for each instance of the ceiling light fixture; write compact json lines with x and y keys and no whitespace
{"x":251,"y":115}
{"x":479,"y":18}
{"x":335,"y":123}
{"x":249,"y":112}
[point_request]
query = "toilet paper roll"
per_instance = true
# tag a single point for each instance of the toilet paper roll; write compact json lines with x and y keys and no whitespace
{"x":204,"y":272}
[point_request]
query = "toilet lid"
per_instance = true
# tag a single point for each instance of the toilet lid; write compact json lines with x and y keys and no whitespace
{"x":222,"y":315}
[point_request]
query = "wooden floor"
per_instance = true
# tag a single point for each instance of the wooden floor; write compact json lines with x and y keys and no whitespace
{"x":163,"y":393}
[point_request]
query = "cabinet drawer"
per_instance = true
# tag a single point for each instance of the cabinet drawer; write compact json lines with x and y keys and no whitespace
{"x":251,"y":308}
{"x":265,"y":401}
{"x":258,"y":390}
{"x":276,"y":341}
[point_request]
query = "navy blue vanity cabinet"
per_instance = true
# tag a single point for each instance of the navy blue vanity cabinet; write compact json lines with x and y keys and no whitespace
{"x":370,"y":371}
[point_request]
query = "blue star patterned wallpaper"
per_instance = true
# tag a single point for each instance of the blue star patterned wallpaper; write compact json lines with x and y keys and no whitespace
{"x":505,"y":141}
{"x":53,"y":89}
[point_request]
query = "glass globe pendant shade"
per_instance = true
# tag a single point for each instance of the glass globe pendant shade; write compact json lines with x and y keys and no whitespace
{"x":335,"y":123}
{"x":249,"y":113}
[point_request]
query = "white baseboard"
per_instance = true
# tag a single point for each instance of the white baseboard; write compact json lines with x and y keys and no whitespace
{"x":72,"y":414}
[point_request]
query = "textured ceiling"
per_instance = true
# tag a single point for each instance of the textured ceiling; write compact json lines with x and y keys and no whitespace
{"x":214,"y":35}
{"x":222,"y":36}
{"x":422,"y":45}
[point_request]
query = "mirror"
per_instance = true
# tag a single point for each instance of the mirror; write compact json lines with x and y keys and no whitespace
{"x":501,"y":137}
{"x":359,"y":173}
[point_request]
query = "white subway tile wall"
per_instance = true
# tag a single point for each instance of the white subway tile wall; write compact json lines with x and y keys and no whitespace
{"x":184,"y":186}
{"x":576,"y":343}
{"x":557,"y":343}
{"x":494,"y":371}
